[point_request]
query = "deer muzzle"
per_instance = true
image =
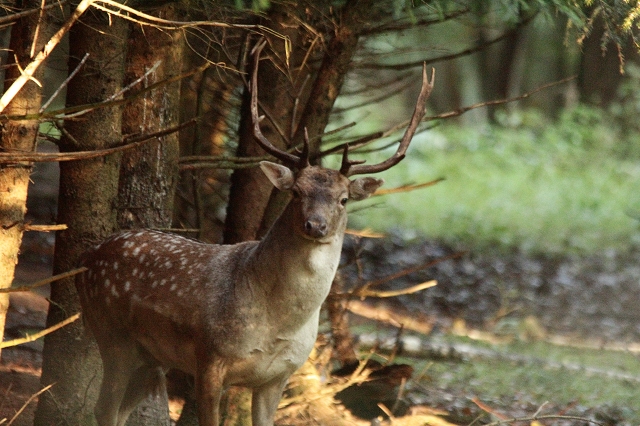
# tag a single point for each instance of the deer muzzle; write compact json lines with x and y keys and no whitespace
{"x":316,"y":227}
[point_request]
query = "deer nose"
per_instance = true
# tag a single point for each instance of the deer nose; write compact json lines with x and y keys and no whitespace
{"x":315,"y":228}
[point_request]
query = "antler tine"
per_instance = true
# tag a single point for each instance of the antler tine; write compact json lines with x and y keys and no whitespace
{"x":287,"y":158}
{"x":350,"y":168}
{"x":304,"y":154}
{"x":346,"y":163}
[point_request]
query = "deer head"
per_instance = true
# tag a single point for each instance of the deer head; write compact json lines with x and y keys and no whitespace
{"x":312,"y":185}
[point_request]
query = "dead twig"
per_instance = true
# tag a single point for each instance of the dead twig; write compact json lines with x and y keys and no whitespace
{"x":130,"y":143}
{"x":365,"y":292}
{"x":44,"y":281}
{"x":407,"y":188}
{"x":64,"y":83}
{"x":18,"y":15}
{"x":29,"y":401}
{"x":31,"y":337}
{"x":364,"y":289}
{"x":468,"y":108}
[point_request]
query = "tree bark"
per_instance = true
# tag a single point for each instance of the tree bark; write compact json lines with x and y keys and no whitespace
{"x":20,"y":136}
{"x":88,"y":191}
{"x":148,"y":174}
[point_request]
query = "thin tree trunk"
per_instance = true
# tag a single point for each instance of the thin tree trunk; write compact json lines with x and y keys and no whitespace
{"x":148,"y":175}
{"x":600,"y":70}
{"x":17,"y":136}
{"x":88,"y":191}
{"x":207,"y":96}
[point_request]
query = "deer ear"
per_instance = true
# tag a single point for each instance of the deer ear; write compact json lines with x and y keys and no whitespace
{"x":362,"y":188}
{"x":280,"y":176}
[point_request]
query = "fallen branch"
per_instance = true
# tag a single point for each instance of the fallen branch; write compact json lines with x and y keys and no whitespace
{"x":44,"y":228}
{"x":31,"y":337}
{"x":364,"y":288}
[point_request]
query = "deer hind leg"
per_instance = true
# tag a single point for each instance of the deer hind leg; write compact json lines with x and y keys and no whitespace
{"x":116,"y":377}
{"x":265,"y":400}
{"x":209,"y":384}
{"x":146,"y":380}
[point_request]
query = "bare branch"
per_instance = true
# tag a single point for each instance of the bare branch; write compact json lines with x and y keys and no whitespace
{"x":400,"y":25}
{"x":468,"y":108}
{"x":462,"y":53}
{"x":130,"y":143}
{"x":365,"y":292}
{"x":29,"y":401}
{"x":27,"y":73}
{"x":64,"y":83}
{"x":15,"y":16}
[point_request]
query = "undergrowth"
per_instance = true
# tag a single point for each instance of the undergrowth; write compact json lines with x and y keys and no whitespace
{"x":569,"y":185}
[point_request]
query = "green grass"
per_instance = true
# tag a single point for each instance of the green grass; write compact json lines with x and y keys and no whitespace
{"x":568,"y":186}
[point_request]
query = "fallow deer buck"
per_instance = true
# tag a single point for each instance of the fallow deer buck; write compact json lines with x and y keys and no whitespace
{"x":243,"y":314}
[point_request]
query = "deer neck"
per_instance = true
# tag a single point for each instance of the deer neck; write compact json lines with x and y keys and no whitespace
{"x":289,"y":263}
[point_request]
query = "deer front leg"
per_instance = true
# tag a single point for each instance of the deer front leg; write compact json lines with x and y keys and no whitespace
{"x":209,"y":381}
{"x":265,"y":400}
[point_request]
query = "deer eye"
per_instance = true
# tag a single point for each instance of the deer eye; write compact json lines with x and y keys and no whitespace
{"x":344,"y":200}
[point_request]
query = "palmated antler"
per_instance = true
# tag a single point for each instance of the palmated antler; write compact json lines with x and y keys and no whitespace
{"x":291,"y":160}
{"x":352,"y":167}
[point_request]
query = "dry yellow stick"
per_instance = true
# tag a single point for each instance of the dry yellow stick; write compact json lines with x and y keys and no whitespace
{"x":44,"y":281}
{"x":31,"y":337}
{"x":394,"y":293}
{"x":31,"y":398}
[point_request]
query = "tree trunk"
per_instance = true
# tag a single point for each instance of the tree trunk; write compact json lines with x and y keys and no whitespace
{"x":19,"y":136}
{"x":88,"y":190}
{"x":148,"y":174}
{"x":250,"y":190}
{"x":207,"y":95}
{"x":600,"y":70}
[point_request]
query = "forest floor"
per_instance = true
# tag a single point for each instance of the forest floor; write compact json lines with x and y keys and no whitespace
{"x":545,"y":340}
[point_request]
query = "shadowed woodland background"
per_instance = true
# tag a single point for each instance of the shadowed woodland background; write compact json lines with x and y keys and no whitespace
{"x":139,"y":118}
